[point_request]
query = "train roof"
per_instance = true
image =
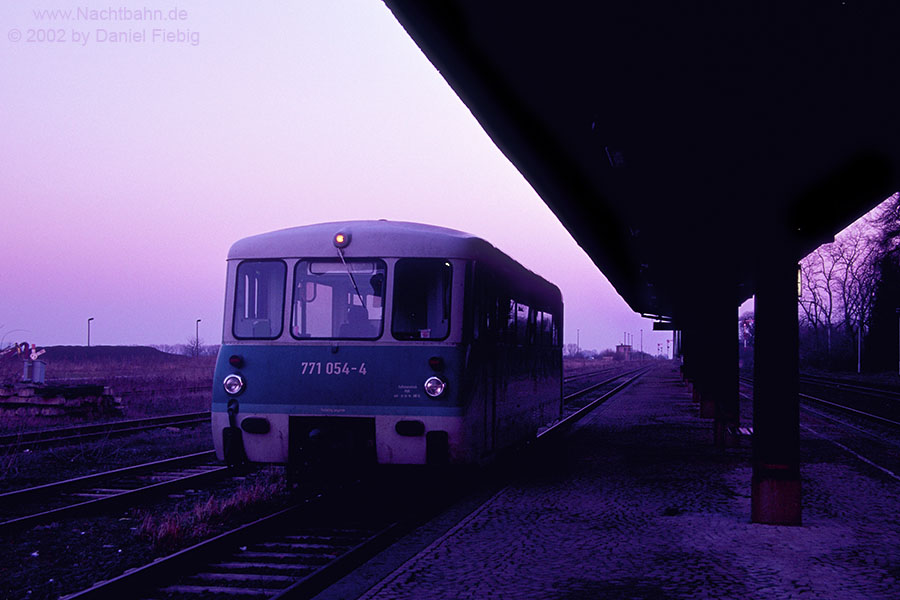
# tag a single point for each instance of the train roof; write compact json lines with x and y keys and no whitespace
{"x":375,"y":238}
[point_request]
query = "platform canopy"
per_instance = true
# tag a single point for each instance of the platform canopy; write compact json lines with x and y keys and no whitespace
{"x":675,"y":139}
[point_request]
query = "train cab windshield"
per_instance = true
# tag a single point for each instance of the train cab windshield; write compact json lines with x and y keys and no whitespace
{"x":421,"y":305}
{"x":259,"y":299}
{"x":338,"y":300}
{"x":334,"y":299}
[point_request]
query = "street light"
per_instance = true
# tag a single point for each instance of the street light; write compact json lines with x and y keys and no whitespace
{"x":89,"y":331}
{"x":197,"y":338}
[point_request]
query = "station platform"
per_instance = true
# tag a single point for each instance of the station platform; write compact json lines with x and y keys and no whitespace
{"x":641,"y":505}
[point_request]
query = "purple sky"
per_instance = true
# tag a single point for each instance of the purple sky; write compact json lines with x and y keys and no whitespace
{"x":129,"y":168}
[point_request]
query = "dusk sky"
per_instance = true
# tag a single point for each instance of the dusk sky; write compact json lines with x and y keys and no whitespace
{"x":132,"y":159}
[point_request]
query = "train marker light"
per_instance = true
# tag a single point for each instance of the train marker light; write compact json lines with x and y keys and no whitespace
{"x":236,"y":360}
{"x":436,"y":363}
{"x":435,"y":386}
{"x":341,"y":240}
{"x":233,"y":384}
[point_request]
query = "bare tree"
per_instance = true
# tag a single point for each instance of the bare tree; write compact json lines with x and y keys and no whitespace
{"x":857,"y":256}
{"x":839,"y":280}
{"x":818,"y":281}
{"x":747,"y":329}
{"x":194,"y":346}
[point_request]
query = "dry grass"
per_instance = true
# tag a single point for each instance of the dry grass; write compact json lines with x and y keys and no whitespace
{"x":180,"y":528}
{"x":149,"y":382}
{"x":20,"y":469}
{"x":9,"y":464}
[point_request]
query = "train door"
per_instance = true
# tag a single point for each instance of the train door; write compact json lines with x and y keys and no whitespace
{"x":483,"y":339}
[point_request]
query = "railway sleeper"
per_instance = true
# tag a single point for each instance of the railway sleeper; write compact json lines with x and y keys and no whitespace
{"x":288,"y":556}
{"x":312,"y":557}
{"x":95,"y":494}
{"x":342,"y":545}
{"x":275,"y":579}
{"x":300,"y":568}
{"x":299,"y":546}
{"x":350,"y":535}
{"x":207,"y":589}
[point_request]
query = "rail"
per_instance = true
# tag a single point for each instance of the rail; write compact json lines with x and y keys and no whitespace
{"x":128,"y":485}
{"x":51,"y":437}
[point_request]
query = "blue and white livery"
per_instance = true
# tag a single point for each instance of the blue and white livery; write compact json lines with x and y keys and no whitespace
{"x":377,"y":342}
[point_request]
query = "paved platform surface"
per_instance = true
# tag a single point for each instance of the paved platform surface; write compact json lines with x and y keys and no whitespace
{"x":641,"y":505}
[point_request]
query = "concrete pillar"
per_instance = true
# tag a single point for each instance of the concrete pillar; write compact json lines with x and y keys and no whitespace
{"x":689,"y":362}
{"x":775,"y":493}
{"x":707,"y":379}
{"x":717,"y":351}
{"x":697,"y":357}
{"x":723,"y":369}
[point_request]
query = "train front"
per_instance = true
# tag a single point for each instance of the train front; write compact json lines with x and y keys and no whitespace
{"x":339,"y":354}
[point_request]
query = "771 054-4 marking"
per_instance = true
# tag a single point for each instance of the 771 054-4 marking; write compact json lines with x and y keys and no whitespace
{"x":331,"y":368}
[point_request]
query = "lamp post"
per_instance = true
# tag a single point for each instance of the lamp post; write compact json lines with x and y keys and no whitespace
{"x":197,"y":338}
{"x":89,"y":331}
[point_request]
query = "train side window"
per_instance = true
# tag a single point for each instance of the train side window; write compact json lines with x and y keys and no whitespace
{"x":421,"y":300}
{"x":484,"y":310}
{"x":534,"y":328}
{"x":508,"y":321}
{"x":336,"y":300}
{"x":259,"y":299}
{"x":521,"y":323}
{"x":545,"y":322}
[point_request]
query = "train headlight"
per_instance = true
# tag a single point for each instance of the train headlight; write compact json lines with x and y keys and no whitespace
{"x":341,"y":240}
{"x":435,"y":386}
{"x":233,"y":384}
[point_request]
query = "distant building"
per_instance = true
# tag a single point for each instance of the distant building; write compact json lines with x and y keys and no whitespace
{"x":623,"y":352}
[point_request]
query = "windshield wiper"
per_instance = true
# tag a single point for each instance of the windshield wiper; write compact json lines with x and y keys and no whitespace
{"x":352,"y":279}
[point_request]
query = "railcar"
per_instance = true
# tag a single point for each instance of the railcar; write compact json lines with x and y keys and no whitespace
{"x":377,"y":342}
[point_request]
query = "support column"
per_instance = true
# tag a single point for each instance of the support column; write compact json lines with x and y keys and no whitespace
{"x":688,"y":362}
{"x":718,"y":354}
{"x":707,"y":379}
{"x":775,"y":493}
{"x":723,"y":362}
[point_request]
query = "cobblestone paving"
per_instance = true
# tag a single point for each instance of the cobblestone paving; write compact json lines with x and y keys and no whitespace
{"x":640,"y":505}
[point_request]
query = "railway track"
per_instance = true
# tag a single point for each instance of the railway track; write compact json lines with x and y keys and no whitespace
{"x":299,"y":551}
{"x":853,"y":386}
{"x":104,"y":491}
{"x":853,"y":414}
{"x":880,"y":405}
{"x":577,"y":400}
{"x":53,"y":437}
{"x":596,"y":373}
{"x":873,"y":411}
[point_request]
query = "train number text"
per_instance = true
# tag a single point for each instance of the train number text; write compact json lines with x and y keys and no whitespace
{"x":331,"y":368}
